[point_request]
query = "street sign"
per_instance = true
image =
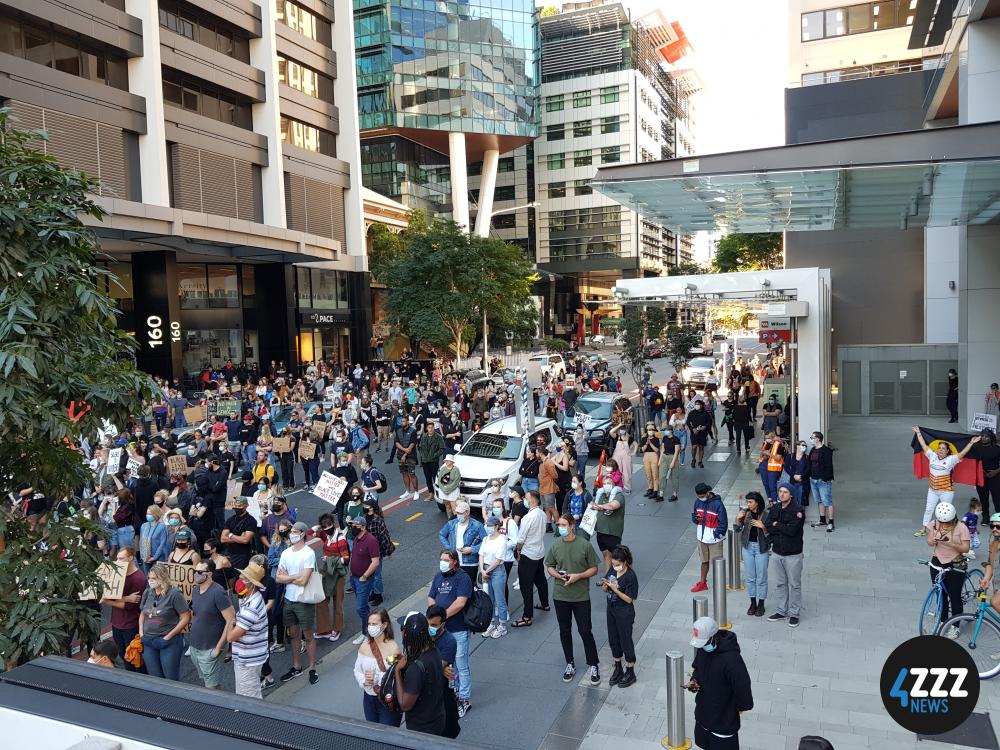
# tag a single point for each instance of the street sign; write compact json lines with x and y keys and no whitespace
{"x":773,"y":337}
{"x":776,"y":324}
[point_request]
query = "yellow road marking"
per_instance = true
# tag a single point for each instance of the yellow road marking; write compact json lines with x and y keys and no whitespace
{"x":415,"y":515}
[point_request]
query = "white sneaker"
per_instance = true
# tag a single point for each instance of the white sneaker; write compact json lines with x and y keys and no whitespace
{"x":488,"y":633}
{"x":499,"y":632}
{"x":359,"y":640}
{"x":951,"y":632}
{"x":517,"y":584}
{"x":971,"y":555}
{"x":188,"y":652}
{"x":334,"y":636}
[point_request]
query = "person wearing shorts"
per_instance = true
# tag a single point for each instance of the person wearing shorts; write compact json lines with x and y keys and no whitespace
{"x":405,"y":442}
{"x":610,"y":525}
{"x":295,"y":566}
{"x":711,"y":522}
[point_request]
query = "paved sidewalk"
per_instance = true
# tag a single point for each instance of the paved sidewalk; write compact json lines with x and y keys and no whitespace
{"x":862,"y":590}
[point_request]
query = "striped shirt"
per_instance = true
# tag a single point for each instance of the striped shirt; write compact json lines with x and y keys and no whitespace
{"x":940,"y":471}
{"x":251,"y":649}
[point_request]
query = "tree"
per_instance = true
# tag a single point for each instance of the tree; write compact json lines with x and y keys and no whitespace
{"x":59,"y":344}
{"x":731,"y":318}
{"x":634,"y":355}
{"x":387,"y":245}
{"x":656,"y":321}
{"x":441,"y":282}
{"x":749,"y":252}
{"x":686,"y":268}
{"x":680,"y":339}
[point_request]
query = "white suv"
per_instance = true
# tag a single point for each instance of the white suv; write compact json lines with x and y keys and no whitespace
{"x":496,"y":452}
{"x":551,"y":365}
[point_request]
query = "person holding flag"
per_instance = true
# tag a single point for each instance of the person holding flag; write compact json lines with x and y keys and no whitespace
{"x":941,"y":462}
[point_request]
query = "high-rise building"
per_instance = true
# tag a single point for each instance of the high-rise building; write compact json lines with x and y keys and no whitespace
{"x":442,"y":86}
{"x":608,"y":96}
{"x":225,"y":139}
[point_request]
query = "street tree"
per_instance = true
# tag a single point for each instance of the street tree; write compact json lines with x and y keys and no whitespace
{"x":387,"y":245}
{"x":656,"y":321}
{"x":749,"y":252}
{"x":64,"y":368}
{"x":686,"y":268}
{"x":731,"y":318}
{"x":680,"y":339}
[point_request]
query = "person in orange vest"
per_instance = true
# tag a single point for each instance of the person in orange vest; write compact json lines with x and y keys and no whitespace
{"x":769,"y":464}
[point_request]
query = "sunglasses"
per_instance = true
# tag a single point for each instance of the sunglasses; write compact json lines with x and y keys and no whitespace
{"x":995,"y":525}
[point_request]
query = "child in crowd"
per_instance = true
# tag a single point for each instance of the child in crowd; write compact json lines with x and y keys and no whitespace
{"x":971,"y":520}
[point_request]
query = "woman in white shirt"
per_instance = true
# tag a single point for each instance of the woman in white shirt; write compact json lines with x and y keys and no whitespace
{"x":492,"y":552}
{"x":376,"y":654}
{"x":508,"y":529}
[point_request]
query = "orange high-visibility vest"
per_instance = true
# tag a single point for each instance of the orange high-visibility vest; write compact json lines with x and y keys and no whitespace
{"x":775,"y":460}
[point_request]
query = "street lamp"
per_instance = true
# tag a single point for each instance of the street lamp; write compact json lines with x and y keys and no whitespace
{"x":486,"y":353}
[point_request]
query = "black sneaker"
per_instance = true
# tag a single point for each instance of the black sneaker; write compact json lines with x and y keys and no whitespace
{"x":659,"y":497}
{"x":569,"y":673}
{"x":291,"y":674}
{"x":673,"y":499}
{"x":628,"y":679}
{"x":776,"y":617}
{"x":595,"y":675}
{"x":313,"y":677}
{"x":819,"y":524}
{"x":793,"y":622}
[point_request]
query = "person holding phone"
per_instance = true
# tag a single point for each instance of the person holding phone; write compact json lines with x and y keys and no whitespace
{"x":721,"y":684}
{"x":756,"y":549}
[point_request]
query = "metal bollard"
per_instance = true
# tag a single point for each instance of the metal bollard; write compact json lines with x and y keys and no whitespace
{"x":719,"y":593}
{"x":734,"y":571}
{"x":699,"y":608}
{"x":676,"y":738}
{"x":730,"y":548}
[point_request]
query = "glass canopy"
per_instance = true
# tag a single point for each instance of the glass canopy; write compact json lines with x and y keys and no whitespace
{"x":893,"y":195}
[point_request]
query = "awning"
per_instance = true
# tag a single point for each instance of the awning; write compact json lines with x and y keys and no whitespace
{"x":941,"y":177}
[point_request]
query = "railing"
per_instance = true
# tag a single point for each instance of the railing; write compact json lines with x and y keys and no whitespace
{"x":869,"y":71}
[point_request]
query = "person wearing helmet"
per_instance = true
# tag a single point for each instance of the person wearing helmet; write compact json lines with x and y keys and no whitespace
{"x":941,"y":462}
{"x":950,"y":541}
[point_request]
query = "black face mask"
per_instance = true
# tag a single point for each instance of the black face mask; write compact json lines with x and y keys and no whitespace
{"x":182,"y":545}
{"x":276,"y":507}
{"x":206,"y":553}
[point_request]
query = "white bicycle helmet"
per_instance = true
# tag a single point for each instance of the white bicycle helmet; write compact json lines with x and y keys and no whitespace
{"x":945,"y":512}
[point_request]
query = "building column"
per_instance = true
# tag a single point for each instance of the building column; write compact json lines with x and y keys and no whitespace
{"x":267,"y":119}
{"x":459,"y":180}
{"x":487,"y":186}
{"x":941,"y":259}
{"x":144,"y":79}
{"x":157,"y":313}
{"x":345,"y":94}
{"x":359,"y":295}
{"x":277,"y":315}
{"x":979,"y":310}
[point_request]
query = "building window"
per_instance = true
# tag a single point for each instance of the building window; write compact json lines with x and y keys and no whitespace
{"x":581,"y":129}
{"x":611,"y":154}
{"x":505,"y":221}
{"x":885,"y":15}
{"x":859,"y":18}
{"x":610,"y":124}
{"x":835,"y":22}
{"x":62,"y":52}
{"x":581,"y":99}
{"x":583,"y":187}
{"x":306,"y":136}
{"x":555,"y":161}
{"x":582,"y":158}
{"x":206,"y":99}
{"x":324,"y":289}
{"x":812,"y":26}
{"x":557,"y":189}
{"x":303,"y":287}
{"x":303,"y":21}
{"x":555,"y":132}
{"x":504,"y":193}
{"x":303,"y":78}
{"x":554,"y":103}
{"x":609,"y":95}
{"x":505,"y":165}
{"x":205,"y":29}
{"x":223,"y":290}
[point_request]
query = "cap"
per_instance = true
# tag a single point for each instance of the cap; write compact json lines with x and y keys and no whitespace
{"x":492,"y":521}
{"x":450,"y":457}
{"x":183,"y":534}
{"x":701,"y":488}
{"x":359,"y":521}
{"x":415,"y":624}
{"x":299,"y":526}
{"x":704,"y":628}
{"x":787,"y":486}
{"x":240,"y":501}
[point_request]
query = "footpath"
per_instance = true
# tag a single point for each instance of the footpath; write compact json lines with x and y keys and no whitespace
{"x":861,"y":594}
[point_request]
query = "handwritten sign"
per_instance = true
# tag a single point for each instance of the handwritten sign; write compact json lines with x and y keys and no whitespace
{"x":112,"y":574}
{"x":177,"y":465}
{"x":982,"y":422}
{"x":330,"y":393}
{"x":195,"y":414}
{"x":114,"y":459}
{"x":281,"y":445}
{"x":307,"y":450}
{"x":330,"y":488}
{"x":224,"y":407}
{"x":589,"y":520}
{"x":182,"y":576}
{"x":133,"y":464}
{"x":232,"y":492}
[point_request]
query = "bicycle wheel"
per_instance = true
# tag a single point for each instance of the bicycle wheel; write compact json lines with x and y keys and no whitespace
{"x":930,"y":613}
{"x":970,"y":586}
{"x":983,"y":646}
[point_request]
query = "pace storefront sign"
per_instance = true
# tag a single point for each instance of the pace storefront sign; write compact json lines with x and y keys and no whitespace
{"x":331,"y":318}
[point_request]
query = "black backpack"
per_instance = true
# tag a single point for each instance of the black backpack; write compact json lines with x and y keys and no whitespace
{"x":478,"y":612}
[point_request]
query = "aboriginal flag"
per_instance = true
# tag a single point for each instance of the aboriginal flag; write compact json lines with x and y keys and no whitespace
{"x":969,"y":470}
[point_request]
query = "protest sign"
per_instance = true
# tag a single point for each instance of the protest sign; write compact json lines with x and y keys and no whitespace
{"x":133,"y":464}
{"x":182,"y":576}
{"x":114,"y":459}
{"x":982,"y":422}
{"x":224,"y":407}
{"x":307,"y":450}
{"x":330,"y":488}
{"x":113,"y":575}
{"x":281,"y":445}
{"x":232,"y":492}
{"x":195,"y":414}
{"x":177,"y":465}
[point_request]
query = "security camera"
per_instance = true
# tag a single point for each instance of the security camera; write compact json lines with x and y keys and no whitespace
{"x":691,"y":287}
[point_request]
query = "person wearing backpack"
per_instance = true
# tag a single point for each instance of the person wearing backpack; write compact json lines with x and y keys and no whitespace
{"x":373,"y":482}
{"x":452,"y":589}
{"x":357,"y":436}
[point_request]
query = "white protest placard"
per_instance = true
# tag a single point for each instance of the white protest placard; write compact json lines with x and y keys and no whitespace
{"x":253,"y":508}
{"x":330,"y":393}
{"x":589,"y":520}
{"x":133,"y":465}
{"x":330,"y":488}
{"x":982,"y":422}
{"x":114,"y":459}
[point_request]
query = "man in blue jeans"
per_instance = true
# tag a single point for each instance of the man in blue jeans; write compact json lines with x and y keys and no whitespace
{"x":365,"y":559}
{"x":452,"y":589}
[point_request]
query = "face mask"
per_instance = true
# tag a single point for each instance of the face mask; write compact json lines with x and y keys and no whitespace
{"x":444,"y":566}
{"x":708,"y":648}
{"x":276,"y":507}
{"x":374,"y":630}
{"x":91,"y":660}
{"x":498,"y":512}
{"x":608,"y":486}
{"x":812,"y":442}
{"x":153,"y":583}
{"x":262,"y":487}
{"x":295,"y":538}
{"x":564,"y":531}
{"x":462,"y":517}
{"x":432,"y":631}
{"x":242,"y":589}
{"x":191,"y":451}
{"x":355,"y":499}
{"x":649,"y":432}
{"x":150,"y":517}
{"x":618,"y":568}
{"x":174,"y":522}
{"x":200,"y":577}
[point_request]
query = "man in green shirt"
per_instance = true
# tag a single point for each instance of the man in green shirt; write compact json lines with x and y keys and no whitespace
{"x":610,"y":526}
{"x":572,"y":562}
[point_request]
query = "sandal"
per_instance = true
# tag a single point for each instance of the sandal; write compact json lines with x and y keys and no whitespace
{"x":524,"y":622}
{"x":546,"y":608}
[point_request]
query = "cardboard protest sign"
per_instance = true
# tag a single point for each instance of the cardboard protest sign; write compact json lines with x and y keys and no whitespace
{"x":330,"y":488}
{"x":281,"y":445}
{"x":307,"y":450}
{"x":177,"y":465}
{"x":232,"y":492}
{"x":195,"y":414}
{"x":113,"y":575}
{"x":133,"y":464}
{"x":224,"y":407}
{"x":114,"y":459}
{"x":182,"y":576}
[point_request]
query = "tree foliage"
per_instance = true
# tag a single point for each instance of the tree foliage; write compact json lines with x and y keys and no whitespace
{"x":731,"y":318}
{"x":686,"y":268}
{"x":679,"y":341}
{"x":59,"y":343}
{"x":656,"y":321}
{"x":387,"y":246}
{"x":633,"y":333}
{"x":444,"y":278}
{"x":749,"y":252}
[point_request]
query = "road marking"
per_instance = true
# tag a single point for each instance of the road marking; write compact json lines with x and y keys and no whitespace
{"x":415,"y":515}
{"x":395,"y":544}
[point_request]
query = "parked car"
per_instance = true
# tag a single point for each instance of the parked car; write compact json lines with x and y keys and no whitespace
{"x":496,"y":452}
{"x":655,"y":350}
{"x":551,"y":365}
{"x":595,"y":411}
{"x":698,"y":370}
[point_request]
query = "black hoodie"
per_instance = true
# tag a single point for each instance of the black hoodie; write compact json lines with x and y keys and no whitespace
{"x":724,"y":685}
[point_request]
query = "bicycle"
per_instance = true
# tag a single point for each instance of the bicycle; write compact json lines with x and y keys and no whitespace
{"x":984,"y":644}
{"x":930,"y":613}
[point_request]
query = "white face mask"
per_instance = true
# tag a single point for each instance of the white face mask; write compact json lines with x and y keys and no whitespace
{"x":618,"y":568}
{"x":91,"y":660}
{"x":295,"y":538}
{"x":374,"y":630}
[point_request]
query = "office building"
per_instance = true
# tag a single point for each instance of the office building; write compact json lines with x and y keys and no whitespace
{"x":225,"y":139}
{"x":890,"y":180}
{"x":442,"y":86}
{"x":609,"y":96}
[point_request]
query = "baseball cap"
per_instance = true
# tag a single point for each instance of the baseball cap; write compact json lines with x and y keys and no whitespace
{"x":240,"y":501}
{"x":704,"y":628}
{"x":359,"y":521}
{"x":449,"y":457}
{"x":299,"y":526}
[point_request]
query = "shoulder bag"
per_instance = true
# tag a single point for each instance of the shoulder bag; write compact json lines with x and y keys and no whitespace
{"x":313,"y":592}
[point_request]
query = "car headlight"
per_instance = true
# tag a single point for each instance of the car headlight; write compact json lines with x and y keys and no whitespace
{"x":597,"y":433}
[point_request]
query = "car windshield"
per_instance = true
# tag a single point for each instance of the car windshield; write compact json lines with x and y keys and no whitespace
{"x":543,"y":358}
{"x":284,"y":414}
{"x":703,"y":362}
{"x":594,"y":409}
{"x":500,"y":447}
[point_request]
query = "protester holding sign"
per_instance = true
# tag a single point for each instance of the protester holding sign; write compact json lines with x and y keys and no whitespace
{"x":125,"y":609}
{"x":164,"y":614}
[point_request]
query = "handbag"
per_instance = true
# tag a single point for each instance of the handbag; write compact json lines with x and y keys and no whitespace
{"x":313,"y":592}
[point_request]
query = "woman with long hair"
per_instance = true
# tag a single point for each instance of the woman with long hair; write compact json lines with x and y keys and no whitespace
{"x":163,"y":616}
{"x":376,"y":654}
